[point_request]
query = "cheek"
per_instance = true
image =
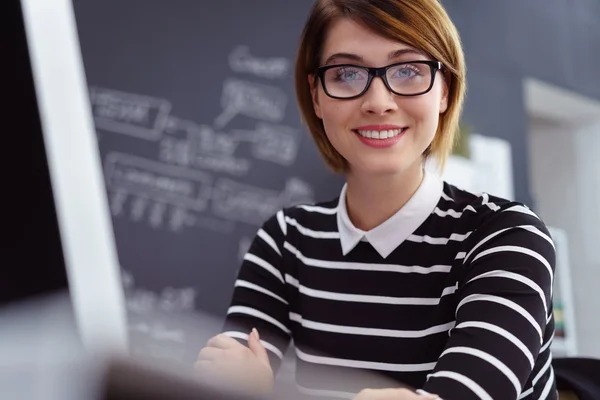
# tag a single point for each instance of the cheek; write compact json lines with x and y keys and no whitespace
{"x":337,"y":115}
{"x":424,"y":111}
{"x":424,"y":115}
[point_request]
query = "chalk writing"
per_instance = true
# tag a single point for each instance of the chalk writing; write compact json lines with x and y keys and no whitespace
{"x":173,"y":185}
{"x":240,"y":60}
{"x":143,"y":117}
{"x":297,"y":192}
{"x":201,"y":147}
{"x":242,"y":202}
{"x":250,"y":204}
{"x":169,"y":299}
{"x":252,"y":100}
{"x":274,"y":143}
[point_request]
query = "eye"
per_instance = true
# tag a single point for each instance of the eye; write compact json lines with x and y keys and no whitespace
{"x":348,"y":74}
{"x":407,"y":71}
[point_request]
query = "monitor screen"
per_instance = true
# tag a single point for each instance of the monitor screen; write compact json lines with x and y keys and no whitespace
{"x":57,"y":226}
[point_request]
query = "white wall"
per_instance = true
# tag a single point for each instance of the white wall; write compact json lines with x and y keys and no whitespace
{"x":588,"y":163}
{"x":565,"y":183}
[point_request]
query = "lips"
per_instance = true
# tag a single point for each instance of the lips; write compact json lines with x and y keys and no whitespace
{"x":380,"y":139}
{"x":381,"y":134}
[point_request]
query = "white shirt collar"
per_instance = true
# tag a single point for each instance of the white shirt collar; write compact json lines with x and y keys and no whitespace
{"x":391,"y":233}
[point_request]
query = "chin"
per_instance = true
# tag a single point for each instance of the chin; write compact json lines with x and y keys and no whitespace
{"x":380,"y":168}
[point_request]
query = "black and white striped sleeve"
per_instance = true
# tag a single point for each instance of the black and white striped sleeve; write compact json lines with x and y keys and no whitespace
{"x":259,"y":298}
{"x":503,"y":310}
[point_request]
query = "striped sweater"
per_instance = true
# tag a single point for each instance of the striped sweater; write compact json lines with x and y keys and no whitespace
{"x":462,"y":308}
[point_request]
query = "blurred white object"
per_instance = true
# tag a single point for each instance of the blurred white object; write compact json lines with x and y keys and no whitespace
{"x":461,"y":173}
{"x":492,"y":160}
{"x":489,"y":168}
{"x":75,"y":170}
{"x":41,"y":352}
{"x":42,"y":357}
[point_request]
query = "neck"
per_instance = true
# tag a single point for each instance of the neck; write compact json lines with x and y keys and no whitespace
{"x":371,"y":200}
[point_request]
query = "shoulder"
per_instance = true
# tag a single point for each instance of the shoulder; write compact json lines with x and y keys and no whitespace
{"x":315,"y":216}
{"x":506,"y":230}
{"x":312,"y":210}
{"x":489,"y":212}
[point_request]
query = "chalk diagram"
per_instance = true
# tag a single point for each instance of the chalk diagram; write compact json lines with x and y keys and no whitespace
{"x":197,"y":176}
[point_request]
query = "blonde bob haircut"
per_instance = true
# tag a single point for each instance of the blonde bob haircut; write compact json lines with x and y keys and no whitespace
{"x":422,"y":24}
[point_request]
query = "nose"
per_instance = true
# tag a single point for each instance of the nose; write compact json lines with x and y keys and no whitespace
{"x":378,"y":100}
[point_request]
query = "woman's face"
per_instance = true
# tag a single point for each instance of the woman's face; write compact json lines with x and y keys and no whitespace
{"x":412,"y":121}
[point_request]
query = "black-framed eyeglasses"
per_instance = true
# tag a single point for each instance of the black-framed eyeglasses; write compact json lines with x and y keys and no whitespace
{"x":408,"y":78}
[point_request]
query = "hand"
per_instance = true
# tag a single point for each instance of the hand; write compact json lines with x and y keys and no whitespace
{"x":246,"y":369}
{"x":393,"y":394}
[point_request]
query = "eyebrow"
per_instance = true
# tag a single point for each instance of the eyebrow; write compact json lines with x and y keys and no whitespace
{"x":357,"y":58}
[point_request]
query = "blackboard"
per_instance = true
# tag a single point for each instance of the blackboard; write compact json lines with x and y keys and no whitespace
{"x":201,"y":141}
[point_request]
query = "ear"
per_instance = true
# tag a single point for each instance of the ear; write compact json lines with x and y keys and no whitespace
{"x":314,"y":92}
{"x":444,"y":98}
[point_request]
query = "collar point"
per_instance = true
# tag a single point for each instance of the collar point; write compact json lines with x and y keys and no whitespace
{"x":345,"y":251}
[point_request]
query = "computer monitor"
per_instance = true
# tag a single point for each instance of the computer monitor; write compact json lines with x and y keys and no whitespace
{"x":56,"y":219}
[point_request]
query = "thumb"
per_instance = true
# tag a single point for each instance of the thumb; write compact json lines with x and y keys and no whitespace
{"x":257,"y":348}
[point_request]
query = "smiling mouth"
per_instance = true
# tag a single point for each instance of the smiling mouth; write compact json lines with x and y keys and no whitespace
{"x":383,"y":134}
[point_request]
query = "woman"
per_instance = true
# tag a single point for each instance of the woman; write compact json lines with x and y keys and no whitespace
{"x":429,"y":286}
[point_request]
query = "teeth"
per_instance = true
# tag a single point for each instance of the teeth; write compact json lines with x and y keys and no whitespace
{"x":380,"y":134}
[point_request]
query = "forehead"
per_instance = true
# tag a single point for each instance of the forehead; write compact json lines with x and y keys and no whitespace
{"x":348,"y":36}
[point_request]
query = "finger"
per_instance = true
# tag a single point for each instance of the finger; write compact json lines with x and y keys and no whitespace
{"x":428,"y":396}
{"x":222,"y":341}
{"x":210,"y":354}
{"x":257,"y":348}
